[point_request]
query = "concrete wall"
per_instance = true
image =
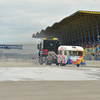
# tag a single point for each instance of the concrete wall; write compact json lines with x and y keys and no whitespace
{"x":94,"y":63}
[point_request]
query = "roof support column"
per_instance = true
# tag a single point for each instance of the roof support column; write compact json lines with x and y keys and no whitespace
{"x":93,"y":32}
{"x":69,"y":36}
{"x":84,"y":33}
{"x":88,"y":32}
{"x":97,"y":30}
{"x":57,"y":35}
{"x":54,"y":34}
{"x":64,"y":36}
{"x":74,"y":35}
{"x":60,"y":37}
{"x":97,"y":26}
{"x":78,"y":35}
{"x":81,"y":34}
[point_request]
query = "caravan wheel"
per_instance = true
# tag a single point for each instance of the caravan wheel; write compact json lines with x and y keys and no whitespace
{"x":61,"y":64}
{"x":78,"y":65}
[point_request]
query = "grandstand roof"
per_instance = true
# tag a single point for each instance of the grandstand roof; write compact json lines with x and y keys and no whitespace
{"x":67,"y":21}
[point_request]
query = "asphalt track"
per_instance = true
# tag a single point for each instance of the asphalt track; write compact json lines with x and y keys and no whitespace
{"x":81,"y":83}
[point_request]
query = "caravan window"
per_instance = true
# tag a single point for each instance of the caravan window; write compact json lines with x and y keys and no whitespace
{"x":65,"y":52}
{"x":75,"y":53}
{"x":60,"y":52}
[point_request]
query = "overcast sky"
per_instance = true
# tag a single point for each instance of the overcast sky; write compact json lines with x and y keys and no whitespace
{"x":19,"y":19}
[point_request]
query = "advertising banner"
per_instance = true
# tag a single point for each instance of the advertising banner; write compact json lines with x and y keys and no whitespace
{"x":10,"y":46}
{"x":92,"y":50}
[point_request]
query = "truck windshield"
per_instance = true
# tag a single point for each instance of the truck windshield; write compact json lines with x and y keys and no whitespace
{"x":75,"y":53}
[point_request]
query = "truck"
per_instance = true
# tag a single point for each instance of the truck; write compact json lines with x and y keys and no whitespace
{"x":48,"y":49}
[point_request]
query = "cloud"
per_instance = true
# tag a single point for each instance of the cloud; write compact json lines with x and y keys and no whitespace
{"x":22,"y":18}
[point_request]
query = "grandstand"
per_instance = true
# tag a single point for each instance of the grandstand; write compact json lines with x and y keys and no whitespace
{"x":81,"y":28}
